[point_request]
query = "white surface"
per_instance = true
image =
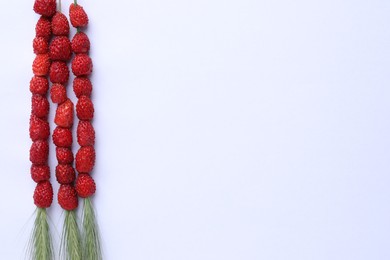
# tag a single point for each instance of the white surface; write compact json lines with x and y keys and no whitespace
{"x":232,"y":130}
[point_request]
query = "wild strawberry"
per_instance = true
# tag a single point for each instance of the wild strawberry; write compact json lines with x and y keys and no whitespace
{"x":82,"y":65}
{"x":60,"y":48}
{"x":39,"y":129}
{"x":67,"y":197}
{"x":40,"y":173}
{"x":39,"y":106}
{"x":65,"y":174}
{"x":40,"y":45}
{"x":60,"y":25}
{"x":84,"y":108}
{"x":39,"y":85}
{"x":43,"y":194}
{"x":39,"y":152}
{"x":82,"y":86}
{"x":59,"y":72}
{"x":58,"y":93}
{"x":85,"y":185}
{"x":64,"y":155}
{"x":85,"y":133}
{"x":43,"y":28}
{"x":41,"y":65}
{"x":62,"y":137}
{"x":45,"y":7}
{"x":80,"y":43}
{"x":64,"y":114}
{"x":77,"y":15}
{"x":85,"y":159}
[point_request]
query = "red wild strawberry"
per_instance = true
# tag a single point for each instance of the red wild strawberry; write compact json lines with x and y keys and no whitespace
{"x":67,"y":197}
{"x":82,"y":86}
{"x":40,"y":45}
{"x":39,"y":152}
{"x":64,"y":114}
{"x":62,"y":137}
{"x":43,"y":194}
{"x":82,"y":65}
{"x":43,"y":28}
{"x":41,"y":65}
{"x":39,"y":129}
{"x":39,"y":106}
{"x":80,"y":43}
{"x":45,"y":7}
{"x":65,"y":174}
{"x":40,"y":173}
{"x":60,"y":24}
{"x":58,"y":93}
{"x":85,"y":159}
{"x":39,"y":85}
{"x":77,"y":15}
{"x":85,"y":185}
{"x":64,"y":155}
{"x":59,"y":72}
{"x":84,"y":108}
{"x":85,"y":133}
{"x":60,"y":48}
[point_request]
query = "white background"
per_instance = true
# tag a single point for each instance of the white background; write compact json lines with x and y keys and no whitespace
{"x":229,"y":130}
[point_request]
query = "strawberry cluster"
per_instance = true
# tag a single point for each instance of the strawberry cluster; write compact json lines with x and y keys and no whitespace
{"x":39,"y":128}
{"x":60,"y":52}
{"x":82,"y":86}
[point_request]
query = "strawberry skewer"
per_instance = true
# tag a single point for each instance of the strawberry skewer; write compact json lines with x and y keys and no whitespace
{"x":41,"y":242}
{"x":60,"y":53}
{"x":85,"y":156}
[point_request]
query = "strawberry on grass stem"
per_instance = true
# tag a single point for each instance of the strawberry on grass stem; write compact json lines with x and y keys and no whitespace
{"x":65,"y":174}
{"x":67,"y":197}
{"x":43,"y":194}
{"x":62,"y":137}
{"x":85,"y":159}
{"x":60,"y":24}
{"x":78,"y":17}
{"x":64,"y":114}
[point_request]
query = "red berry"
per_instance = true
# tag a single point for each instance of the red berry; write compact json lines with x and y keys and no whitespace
{"x":39,"y":129}
{"x":64,"y":155}
{"x":85,"y":133}
{"x":60,"y":24}
{"x":65,"y":174}
{"x":84,"y":108}
{"x":43,"y":28}
{"x":45,"y":7}
{"x":60,"y":48}
{"x":67,"y":197}
{"x":77,"y":15}
{"x":85,"y":185}
{"x":82,"y":65}
{"x":39,"y":152}
{"x":59,"y":72}
{"x":64,"y":114}
{"x":58,"y":93}
{"x":43,"y":194}
{"x":40,"y":45}
{"x":85,"y":159}
{"x":80,"y":43}
{"x":40,"y":173}
{"x":41,"y":65}
{"x":62,"y":137}
{"x":82,"y":86}
{"x":39,"y":85}
{"x":39,"y":106}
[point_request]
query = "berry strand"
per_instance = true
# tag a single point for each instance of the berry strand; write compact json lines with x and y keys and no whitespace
{"x":60,"y":52}
{"x":85,"y":157}
{"x":39,"y":129}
